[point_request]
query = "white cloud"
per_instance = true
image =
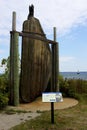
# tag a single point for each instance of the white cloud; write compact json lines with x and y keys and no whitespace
{"x":1,"y":51}
{"x":63,"y":14}
{"x":60,"y":13}
{"x":67,"y":63}
{"x":67,"y":59}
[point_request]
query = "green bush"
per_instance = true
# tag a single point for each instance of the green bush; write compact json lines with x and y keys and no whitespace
{"x":4,"y":91}
{"x":3,"y":100}
{"x":73,"y":87}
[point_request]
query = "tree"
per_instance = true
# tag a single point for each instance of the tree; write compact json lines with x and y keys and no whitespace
{"x":4,"y":83}
{"x":6,"y":64}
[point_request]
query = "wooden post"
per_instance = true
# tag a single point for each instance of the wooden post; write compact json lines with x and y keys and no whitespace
{"x":55,"y":72}
{"x":56,"y":49}
{"x":53,"y":68}
{"x":16,"y":68}
{"x":14,"y":21}
{"x":14,"y":64}
{"x":11,"y":70}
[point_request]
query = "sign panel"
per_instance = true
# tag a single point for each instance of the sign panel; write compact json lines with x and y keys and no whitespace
{"x":52,"y":97}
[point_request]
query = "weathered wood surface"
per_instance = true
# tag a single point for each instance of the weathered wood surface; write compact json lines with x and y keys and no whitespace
{"x":36,"y":62}
{"x":14,"y":65}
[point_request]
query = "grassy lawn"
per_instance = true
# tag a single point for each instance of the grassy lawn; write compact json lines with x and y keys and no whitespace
{"x":74,"y":118}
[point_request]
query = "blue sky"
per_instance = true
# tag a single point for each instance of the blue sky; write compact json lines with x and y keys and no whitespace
{"x":68,"y":16}
{"x":73,"y":50}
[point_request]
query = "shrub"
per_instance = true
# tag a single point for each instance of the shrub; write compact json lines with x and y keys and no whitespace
{"x":3,"y":100}
{"x":4,"y":91}
{"x":73,"y":87}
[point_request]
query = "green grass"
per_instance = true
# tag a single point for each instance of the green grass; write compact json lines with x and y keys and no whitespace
{"x":12,"y":111}
{"x":74,"y":118}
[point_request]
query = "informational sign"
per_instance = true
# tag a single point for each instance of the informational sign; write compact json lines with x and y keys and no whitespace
{"x":52,"y":97}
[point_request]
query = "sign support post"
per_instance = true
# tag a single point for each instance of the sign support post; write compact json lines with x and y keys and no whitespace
{"x":52,"y":97}
{"x":52,"y":112}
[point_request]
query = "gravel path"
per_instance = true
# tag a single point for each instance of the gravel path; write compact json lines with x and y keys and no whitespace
{"x":7,"y":121}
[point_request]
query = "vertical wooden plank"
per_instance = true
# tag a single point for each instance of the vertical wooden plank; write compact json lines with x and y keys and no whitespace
{"x":11,"y":59}
{"x":14,"y":64}
{"x":16,"y":68}
{"x":11,"y":70}
{"x":56,"y":49}
{"x":36,"y":62}
{"x":53,"y":68}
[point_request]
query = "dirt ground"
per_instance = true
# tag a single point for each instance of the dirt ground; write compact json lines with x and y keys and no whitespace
{"x":7,"y":121}
{"x":42,"y":106}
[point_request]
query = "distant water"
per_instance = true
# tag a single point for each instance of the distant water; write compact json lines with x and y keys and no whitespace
{"x":74,"y":75}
